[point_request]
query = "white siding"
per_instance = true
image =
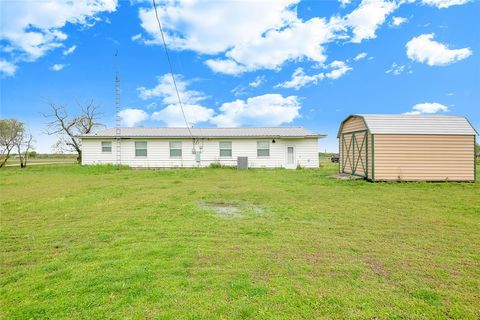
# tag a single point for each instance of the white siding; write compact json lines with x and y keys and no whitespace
{"x":306,"y":153}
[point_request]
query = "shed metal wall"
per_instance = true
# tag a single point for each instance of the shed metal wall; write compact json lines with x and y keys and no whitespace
{"x":410,"y":157}
{"x":424,"y":157}
{"x":354,"y":124}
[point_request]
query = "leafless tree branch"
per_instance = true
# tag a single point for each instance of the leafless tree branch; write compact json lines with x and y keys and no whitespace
{"x":69,"y":128}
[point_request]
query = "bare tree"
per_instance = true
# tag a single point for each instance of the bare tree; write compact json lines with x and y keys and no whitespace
{"x":24,"y":143}
{"x":70,"y":127}
{"x":10,"y":129}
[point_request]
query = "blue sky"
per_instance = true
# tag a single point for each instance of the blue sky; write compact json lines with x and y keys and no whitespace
{"x":241,"y":63}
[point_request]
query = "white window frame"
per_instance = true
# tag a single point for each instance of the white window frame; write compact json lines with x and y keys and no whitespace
{"x":102,"y":146}
{"x":258,"y":149}
{"x":170,"y":143}
{"x":137,"y":149}
{"x":220,"y":149}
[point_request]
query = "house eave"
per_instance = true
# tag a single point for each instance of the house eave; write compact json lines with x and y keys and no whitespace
{"x":318,"y":136}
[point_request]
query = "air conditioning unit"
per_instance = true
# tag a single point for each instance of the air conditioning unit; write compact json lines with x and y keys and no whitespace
{"x":242,"y":163}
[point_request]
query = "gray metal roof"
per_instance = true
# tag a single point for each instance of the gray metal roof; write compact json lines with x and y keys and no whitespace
{"x":416,"y":124}
{"x":286,"y":132}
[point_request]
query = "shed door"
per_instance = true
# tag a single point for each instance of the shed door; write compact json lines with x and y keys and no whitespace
{"x":354,"y":148}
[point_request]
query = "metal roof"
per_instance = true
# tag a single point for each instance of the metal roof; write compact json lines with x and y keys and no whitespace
{"x":286,"y":132}
{"x":415,"y":124}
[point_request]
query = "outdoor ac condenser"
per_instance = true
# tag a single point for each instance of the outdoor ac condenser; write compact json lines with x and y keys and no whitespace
{"x":242,"y":163}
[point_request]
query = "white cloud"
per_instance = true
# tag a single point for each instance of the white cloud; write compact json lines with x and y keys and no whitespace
{"x":428,"y":107}
{"x":343,"y":3}
{"x":268,"y":109}
{"x":265,"y":110}
{"x":136,"y":37}
{"x":229,"y":22}
{"x":172,"y":115}
{"x":367,"y":17}
{"x":360,"y":56}
{"x":301,"y":40}
{"x":225,"y":66}
{"x":69,"y":50}
{"x":444,"y":3}
{"x":7,"y":68}
{"x":257,"y":82}
{"x":32,"y":28}
{"x":397,"y":69}
{"x":165,"y":91}
{"x":301,"y":79}
{"x":244,"y":36}
{"x":152,"y":105}
{"x":132,"y":117}
{"x":57,"y":67}
{"x":397,"y":21}
{"x":425,"y":50}
{"x":239,"y":90}
{"x":339,"y":69}
{"x":249,"y":35}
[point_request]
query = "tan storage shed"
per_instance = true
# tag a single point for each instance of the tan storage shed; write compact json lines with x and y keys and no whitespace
{"x":384,"y":147}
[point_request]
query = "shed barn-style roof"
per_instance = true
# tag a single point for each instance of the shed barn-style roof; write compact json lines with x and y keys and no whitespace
{"x":415,"y":124}
{"x":273,"y":132}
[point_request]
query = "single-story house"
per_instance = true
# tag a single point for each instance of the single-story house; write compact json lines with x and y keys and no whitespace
{"x":382,"y":147}
{"x":276,"y":147}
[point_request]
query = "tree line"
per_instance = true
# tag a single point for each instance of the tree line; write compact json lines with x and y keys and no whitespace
{"x":15,"y":139}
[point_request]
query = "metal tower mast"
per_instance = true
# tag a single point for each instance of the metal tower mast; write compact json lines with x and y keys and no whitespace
{"x":118,"y":141}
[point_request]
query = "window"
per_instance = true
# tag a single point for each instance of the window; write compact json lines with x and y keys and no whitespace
{"x":225,"y":148}
{"x":140,"y":148}
{"x":263,"y":149}
{"x":107,"y":146}
{"x":175,"y":148}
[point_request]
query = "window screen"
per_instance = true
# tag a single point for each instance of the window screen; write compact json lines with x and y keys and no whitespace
{"x":263,"y":148}
{"x":225,"y":148}
{"x":175,"y":148}
{"x":140,"y":148}
{"x":107,"y":146}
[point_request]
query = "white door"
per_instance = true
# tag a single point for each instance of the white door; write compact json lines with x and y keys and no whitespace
{"x":291,"y":162}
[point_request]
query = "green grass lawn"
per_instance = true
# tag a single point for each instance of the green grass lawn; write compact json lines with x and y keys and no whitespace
{"x":103,"y":243}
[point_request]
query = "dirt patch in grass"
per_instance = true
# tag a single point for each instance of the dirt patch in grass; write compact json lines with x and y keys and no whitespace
{"x":376,"y":267}
{"x":230,"y":209}
{"x":345,"y":176}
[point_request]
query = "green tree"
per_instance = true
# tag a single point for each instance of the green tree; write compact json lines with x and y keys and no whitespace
{"x":10,"y":132}
{"x":24,"y":143}
{"x":32,"y":154}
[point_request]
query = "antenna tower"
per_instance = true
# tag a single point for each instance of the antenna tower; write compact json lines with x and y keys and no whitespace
{"x":118,"y":140}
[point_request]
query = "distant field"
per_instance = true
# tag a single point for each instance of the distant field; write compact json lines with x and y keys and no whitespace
{"x":102,"y":242}
{"x":15,"y":161}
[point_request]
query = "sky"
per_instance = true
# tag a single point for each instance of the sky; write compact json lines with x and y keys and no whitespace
{"x":240,"y":63}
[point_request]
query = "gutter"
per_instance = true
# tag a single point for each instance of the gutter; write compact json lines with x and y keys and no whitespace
{"x":319,"y":136}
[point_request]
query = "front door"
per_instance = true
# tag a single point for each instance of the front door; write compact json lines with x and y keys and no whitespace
{"x":291,"y":162}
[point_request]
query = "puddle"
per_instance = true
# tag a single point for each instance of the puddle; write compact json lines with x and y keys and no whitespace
{"x":230,"y":209}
